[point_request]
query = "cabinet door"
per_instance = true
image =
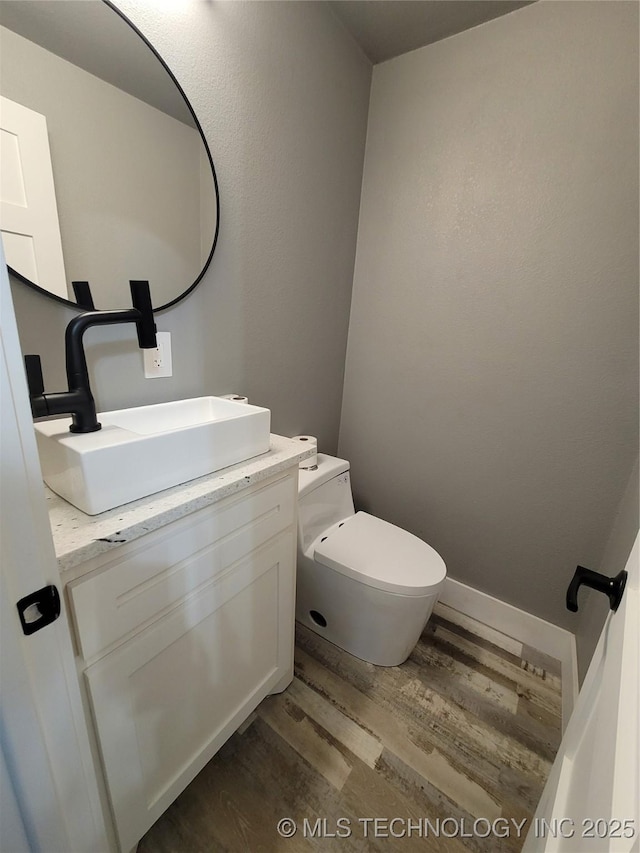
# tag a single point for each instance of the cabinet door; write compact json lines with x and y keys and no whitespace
{"x":165,"y":701}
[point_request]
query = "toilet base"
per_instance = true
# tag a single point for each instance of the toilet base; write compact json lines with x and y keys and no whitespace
{"x":374,"y":625}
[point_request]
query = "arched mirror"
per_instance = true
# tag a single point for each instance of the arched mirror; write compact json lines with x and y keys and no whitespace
{"x":134,"y":189}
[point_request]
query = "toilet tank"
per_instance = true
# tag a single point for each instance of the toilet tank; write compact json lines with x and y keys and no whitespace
{"x":324,"y":498}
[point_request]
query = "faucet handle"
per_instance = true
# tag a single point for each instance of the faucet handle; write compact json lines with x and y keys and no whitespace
{"x":35,"y":381}
{"x":141,"y":299}
{"x":82,"y":292}
{"x":37,"y":399}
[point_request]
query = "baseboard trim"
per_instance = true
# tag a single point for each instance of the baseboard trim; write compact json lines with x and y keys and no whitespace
{"x":523,"y":627}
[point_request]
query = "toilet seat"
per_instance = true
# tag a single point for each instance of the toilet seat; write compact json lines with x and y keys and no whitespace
{"x":381,"y":555}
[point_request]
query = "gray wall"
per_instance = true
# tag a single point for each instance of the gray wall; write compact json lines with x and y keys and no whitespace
{"x":282,"y":95}
{"x":127,"y":176}
{"x":491,"y":388}
{"x":490,"y":400}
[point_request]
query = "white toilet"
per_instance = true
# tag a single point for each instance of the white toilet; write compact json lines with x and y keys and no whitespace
{"x":364,"y":584}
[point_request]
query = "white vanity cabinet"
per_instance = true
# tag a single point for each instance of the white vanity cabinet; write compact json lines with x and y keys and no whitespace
{"x":181,"y":634}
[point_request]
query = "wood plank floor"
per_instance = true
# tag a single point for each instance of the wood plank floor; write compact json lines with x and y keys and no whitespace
{"x":449,"y":752}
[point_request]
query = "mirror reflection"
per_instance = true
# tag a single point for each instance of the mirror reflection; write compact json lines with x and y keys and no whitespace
{"x":106,"y":175}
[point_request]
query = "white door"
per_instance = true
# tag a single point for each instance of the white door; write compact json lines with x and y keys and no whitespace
{"x":49,"y":769}
{"x":591,"y":801}
{"x":28,"y":210}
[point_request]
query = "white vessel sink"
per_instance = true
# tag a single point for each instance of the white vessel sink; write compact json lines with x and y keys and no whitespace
{"x":144,"y":450}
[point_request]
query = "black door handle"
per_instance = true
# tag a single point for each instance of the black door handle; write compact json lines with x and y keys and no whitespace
{"x":39,"y":609}
{"x":612,"y":587}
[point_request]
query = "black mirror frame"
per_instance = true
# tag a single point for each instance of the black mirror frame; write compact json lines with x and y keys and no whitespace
{"x":198,"y":126}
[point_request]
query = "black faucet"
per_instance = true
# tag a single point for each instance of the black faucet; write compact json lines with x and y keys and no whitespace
{"x":78,"y":400}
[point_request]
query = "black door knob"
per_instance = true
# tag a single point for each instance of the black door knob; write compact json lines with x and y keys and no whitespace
{"x":612,"y":587}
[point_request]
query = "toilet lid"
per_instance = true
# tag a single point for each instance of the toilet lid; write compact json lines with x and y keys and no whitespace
{"x":382,"y":555}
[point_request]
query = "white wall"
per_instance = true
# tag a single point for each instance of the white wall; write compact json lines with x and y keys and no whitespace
{"x":490,"y":399}
{"x":282,"y":94}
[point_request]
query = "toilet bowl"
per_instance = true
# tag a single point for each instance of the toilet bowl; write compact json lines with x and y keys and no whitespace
{"x":362,"y":583}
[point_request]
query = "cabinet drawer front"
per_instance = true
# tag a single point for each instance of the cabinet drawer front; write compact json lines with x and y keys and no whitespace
{"x":165,"y":701}
{"x":175,"y":564}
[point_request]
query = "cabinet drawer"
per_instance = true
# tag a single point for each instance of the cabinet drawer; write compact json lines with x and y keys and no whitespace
{"x":166,"y":567}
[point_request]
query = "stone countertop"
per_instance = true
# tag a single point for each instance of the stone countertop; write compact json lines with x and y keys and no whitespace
{"x":78,"y":537}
